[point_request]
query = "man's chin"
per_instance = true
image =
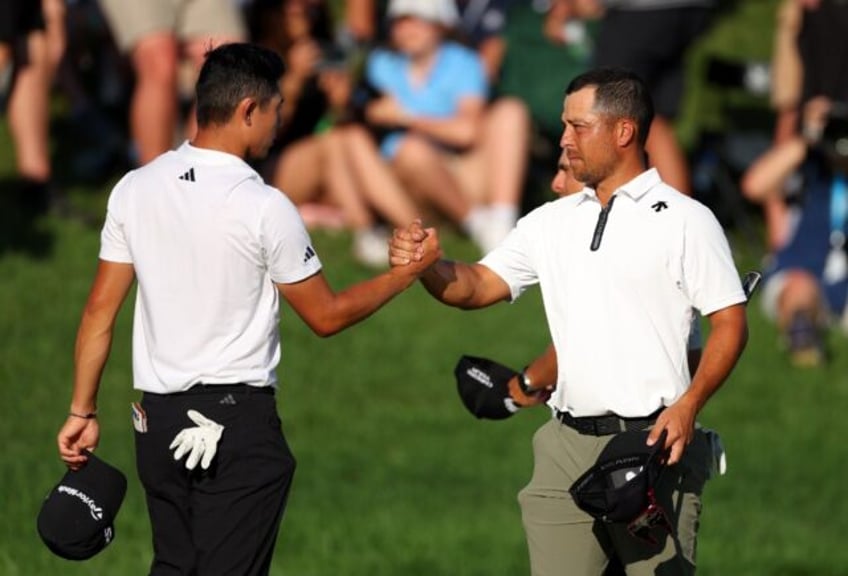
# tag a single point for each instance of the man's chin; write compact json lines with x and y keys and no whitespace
{"x":581,"y":176}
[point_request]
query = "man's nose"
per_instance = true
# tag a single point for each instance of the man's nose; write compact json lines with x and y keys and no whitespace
{"x":557,"y":184}
{"x":567,"y":137}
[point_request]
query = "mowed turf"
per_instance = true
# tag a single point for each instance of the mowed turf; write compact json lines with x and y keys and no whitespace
{"x":394,"y":477}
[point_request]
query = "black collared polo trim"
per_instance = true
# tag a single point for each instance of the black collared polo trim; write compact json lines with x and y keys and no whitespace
{"x":602,"y":224}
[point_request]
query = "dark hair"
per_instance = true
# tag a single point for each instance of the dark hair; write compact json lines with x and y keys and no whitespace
{"x":231,"y":73}
{"x":619,"y":93}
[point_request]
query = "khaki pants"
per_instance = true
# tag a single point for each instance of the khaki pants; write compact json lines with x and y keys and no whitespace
{"x":565,"y":541}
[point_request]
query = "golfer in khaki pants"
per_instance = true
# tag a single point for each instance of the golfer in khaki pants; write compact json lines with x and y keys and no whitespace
{"x":621,"y":265}
{"x":563,"y":539}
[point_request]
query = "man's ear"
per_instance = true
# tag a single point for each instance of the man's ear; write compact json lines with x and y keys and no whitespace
{"x":625,"y":132}
{"x":246,"y":108}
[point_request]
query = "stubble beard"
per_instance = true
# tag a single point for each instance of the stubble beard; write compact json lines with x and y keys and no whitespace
{"x":592,"y":176}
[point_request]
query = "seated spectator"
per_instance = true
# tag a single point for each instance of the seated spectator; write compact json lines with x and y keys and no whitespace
{"x":805,"y":289}
{"x":785,"y":97}
{"x":431,"y":103}
{"x":809,"y":58}
{"x":506,"y":122}
{"x":328,"y":165}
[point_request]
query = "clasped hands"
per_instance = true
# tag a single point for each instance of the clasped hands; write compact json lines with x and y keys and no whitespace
{"x":414,"y":245}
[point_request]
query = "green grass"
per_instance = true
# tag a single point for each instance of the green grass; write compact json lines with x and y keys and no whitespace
{"x":394,"y":477}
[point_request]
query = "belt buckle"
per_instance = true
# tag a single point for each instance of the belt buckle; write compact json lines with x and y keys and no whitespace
{"x":606,"y":425}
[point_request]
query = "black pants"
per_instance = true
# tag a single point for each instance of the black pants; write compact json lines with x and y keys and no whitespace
{"x":223,"y":520}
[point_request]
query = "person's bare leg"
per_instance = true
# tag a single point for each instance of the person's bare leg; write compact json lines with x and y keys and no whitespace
{"x":153,"y":112}
{"x":54,"y":23}
{"x":427,"y":171}
{"x":340,"y":181}
{"x":801,"y":318}
{"x":378,"y":183}
{"x":800,"y":293}
{"x":469,"y":170}
{"x":775,"y":211}
{"x":506,"y":145}
{"x":5,"y":56}
{"x":369,"y":242}
{"x":422,"y":169}
{"x":29,"y":112}
{"x":360,"y":19}
{"x":298,"y":171}
{"x":5,"y":70}
{"x":666,"y":155}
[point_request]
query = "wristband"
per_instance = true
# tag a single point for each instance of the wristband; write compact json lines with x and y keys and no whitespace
{"x":89,"y":416}
{"x":526,"y":384}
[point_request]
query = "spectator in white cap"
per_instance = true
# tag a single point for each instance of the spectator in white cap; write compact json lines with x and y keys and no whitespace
{"x":441,"y":11}
{"x":432,"y":105}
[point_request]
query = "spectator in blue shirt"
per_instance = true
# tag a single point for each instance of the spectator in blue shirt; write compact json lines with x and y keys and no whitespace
{"x":431,"y":105}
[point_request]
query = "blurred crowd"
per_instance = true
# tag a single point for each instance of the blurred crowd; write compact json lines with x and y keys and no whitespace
{"x":360,"y":147}
{"x":394,"y":108}
{"x":800,"y":179}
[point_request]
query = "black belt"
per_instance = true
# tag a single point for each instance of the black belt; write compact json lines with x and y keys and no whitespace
{"x":604,"y":425}
{"x":225,"y":389}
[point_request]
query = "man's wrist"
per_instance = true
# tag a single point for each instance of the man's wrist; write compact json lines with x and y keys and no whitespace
{"x":86,"y":413}
{"x":526,"y":384}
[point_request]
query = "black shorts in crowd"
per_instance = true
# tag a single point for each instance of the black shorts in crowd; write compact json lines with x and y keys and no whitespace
{"x":17,"y":19}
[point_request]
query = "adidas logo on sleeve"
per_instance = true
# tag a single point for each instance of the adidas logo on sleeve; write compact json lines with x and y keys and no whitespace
{"x":188,"y":176}
{"x":310,"y":253}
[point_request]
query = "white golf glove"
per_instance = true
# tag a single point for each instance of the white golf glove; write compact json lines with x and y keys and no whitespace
{"x":200,"y":442}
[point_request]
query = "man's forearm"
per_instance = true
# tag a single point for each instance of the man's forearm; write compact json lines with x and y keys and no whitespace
{"x":728,"y":336}
{"x":94,"y":337}
{"x":452,"y":283}
{"x":542,"y":371}
{"x":460,"y":132}
{"x":92,"y":350}
{"x":354,"y":304}
{"x":463,"y":285}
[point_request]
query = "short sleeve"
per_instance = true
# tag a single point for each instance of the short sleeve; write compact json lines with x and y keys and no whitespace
{"x":113,"y":242}
{"x":512,"y":260}
{"x":379,"y":70}
{"x":286,"y":244}
{"x":467,"y":73}
{"x":711,"y":277}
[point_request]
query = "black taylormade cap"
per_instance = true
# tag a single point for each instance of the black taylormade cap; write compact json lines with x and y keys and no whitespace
{"x":483,"y":387}
{"x":76,"y":517}
{"x":619,"y":487}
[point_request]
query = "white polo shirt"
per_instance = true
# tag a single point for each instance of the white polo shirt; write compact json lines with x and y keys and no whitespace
{"x":620,"y":316}
{"x":208,"y":240}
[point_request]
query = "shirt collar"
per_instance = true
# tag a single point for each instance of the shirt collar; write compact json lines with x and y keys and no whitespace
{"x":635,"y":188}
{"x":210,"y":156}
